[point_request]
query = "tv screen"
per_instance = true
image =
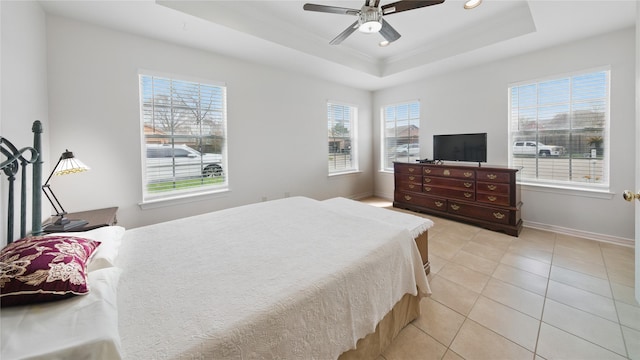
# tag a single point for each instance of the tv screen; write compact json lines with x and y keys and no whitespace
{"x":460,"y":147}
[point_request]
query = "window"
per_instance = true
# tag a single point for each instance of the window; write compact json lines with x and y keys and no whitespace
{"x":401,"y":127}
{"x":342,"y":144}
{"x":559,"y":130}
{"x":184,"y":142}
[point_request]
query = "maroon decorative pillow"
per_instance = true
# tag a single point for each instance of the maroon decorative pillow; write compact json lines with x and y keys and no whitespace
{"x":40,"y":269}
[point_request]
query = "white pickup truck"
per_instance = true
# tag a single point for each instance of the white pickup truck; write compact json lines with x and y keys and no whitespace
{"x":533,"y":148}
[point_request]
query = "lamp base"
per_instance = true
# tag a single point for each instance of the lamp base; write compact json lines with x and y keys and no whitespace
{"x":70,"y":225}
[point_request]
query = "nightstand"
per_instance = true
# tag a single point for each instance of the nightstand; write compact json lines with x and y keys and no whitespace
{"x":95,"y":218}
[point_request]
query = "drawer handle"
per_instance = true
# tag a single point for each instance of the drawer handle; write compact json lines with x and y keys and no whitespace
{"x":411,"y":186}
{"x":446,"y":172}
{"x":427,"y":180}
{"x":492,"y":198}
{"x":456,"y":207}
{"x":439,"y":203}
{"x":498,"y":215}
{"x":411,"y":169}
{"x":467,"y":185}
{"x":468,"y":195}
{"x":492,"y":176}
{"x":468,"y":174}
{"x":427,"y":189}
{"x":412,"y":178}
{"x":491,"y":187}
{"x":427,"y":171}
{"x":407,"y":197}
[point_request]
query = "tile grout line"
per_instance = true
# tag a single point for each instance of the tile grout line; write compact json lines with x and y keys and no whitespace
{"x":544,"y":303}
{"x":615,"y":305}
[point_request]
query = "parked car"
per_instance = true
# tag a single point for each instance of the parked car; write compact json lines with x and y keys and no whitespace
{"x":533,"y":148}
{"x":167,"y":162}
{"x":408,"y":149}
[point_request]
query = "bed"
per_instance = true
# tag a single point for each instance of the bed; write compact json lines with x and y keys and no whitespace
{"x":290,"y":278}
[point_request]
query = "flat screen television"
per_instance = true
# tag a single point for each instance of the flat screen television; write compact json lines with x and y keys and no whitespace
{"x":460,"y":147}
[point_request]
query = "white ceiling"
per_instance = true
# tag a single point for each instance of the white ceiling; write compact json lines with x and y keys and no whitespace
{"x":434,"y":39}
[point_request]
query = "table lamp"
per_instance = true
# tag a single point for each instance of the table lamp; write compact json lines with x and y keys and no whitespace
{"x":67,"y":164}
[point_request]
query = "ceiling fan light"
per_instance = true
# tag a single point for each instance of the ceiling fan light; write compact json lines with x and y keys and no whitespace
{"x":370,"y":20}
{"x":470,"y":4}
{"x":370,"y":27}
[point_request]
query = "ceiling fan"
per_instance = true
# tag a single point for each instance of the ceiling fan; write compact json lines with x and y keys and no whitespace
{"x":370,"y":17}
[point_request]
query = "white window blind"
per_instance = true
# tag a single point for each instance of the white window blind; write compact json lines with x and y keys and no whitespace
{"x":559,"y":130}
{"x":341,"y":122}
{"x":184,"y":142}
{"x":400,"y":131}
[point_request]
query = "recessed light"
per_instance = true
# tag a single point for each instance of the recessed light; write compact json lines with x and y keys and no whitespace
{"x":384,"y":43}
{"x":470,"y":4}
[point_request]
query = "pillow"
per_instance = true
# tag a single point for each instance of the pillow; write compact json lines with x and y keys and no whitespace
{"x":110,"y":238}
{"x":44,"y":268}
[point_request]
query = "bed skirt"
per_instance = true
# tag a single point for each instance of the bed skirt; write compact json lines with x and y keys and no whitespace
{"x":372,"y":345}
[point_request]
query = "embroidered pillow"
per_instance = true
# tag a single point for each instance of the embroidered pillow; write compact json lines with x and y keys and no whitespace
{"x":44,"y":268}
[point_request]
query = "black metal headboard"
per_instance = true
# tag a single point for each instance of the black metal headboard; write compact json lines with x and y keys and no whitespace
{"x":17,"y":162}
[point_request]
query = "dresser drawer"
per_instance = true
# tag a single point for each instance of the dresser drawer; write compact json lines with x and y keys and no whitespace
{"x":496,"y":215}
{"x":467,"y":185}
{"x":420,"y":200}
{"x":409,"y":178}
{"x":502,"y":200}
{"x":407,"y":169}
{"x":493,"y":188}
{"x":493,"y":176}
{"x":448,"y":172}
{"x":449,"y":193}
{"x":408,"y":186}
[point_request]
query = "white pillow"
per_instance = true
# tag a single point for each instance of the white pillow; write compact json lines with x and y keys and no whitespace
{"x":82,"y":327}
{"x":105,"y":255}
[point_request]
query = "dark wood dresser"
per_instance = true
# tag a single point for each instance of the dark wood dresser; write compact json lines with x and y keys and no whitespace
{"x":485,"y":196}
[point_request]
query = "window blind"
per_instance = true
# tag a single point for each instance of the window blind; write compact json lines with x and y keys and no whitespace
{"x":401,"y":138}
{"x":184,"y":124}
{"x":559,"y":130}
{"x":341,"y":123}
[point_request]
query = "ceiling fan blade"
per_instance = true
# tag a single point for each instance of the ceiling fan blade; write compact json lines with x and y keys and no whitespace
{"x":388,"y":32}
{"x":405,"y":5}
{"x":372,"y":3}
{"x":345,"y":34}
{"x":330,"y":9}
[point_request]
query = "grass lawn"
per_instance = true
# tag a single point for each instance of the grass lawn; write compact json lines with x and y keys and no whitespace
{"x":183,"y":184}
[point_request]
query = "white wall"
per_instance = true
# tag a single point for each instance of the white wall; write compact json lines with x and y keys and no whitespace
{"x":93,"y":110}
{"x":277,"y":137}
{"x":475,"y":100}
{"x":23,"y":94}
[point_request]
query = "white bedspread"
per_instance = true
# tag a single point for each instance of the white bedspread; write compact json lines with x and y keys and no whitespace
{"x":415,"y":224}
{"x":281,"y":279}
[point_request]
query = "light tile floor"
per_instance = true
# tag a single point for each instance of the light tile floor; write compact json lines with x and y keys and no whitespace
{"x":541,"y":295}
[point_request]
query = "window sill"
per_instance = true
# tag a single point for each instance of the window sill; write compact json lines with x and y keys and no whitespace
{"x":350,"y":172}
{"x":568,"y":190}
{"x":181,"y":199}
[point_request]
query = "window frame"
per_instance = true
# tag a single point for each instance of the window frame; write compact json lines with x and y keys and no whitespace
{"x":176,"y":196}
{"x":383,"y":133}
{"x":570,"y":186}
{"x":353,"y":138}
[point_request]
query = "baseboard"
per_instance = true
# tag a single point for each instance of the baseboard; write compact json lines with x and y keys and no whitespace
{"x":559,"y":229}
{"x":361,"y":196}
{"x":582,"y":234}
{"x":385,"y":196}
